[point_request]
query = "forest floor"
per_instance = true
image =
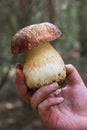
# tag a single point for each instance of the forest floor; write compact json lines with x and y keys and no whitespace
{"x":15,"y":114}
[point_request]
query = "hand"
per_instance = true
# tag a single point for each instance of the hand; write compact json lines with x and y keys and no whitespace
{"x":59,"y":109}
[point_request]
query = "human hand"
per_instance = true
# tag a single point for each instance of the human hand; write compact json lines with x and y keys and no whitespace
{"x":59,"y":109}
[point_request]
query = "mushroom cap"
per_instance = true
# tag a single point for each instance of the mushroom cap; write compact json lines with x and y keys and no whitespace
{"x":33,"y":36}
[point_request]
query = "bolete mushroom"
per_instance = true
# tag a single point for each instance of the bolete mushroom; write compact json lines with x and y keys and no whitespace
{"x":43,"y":64}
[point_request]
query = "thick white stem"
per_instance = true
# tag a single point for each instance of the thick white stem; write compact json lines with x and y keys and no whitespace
{"x":43,"y":65}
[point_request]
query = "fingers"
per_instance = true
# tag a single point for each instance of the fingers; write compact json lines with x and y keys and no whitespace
{"x":49,"y":102}
{"x":21,"y":87}
{"x":42,"y":94}
{"x":73,"y":76}
{"x":58,"y":93}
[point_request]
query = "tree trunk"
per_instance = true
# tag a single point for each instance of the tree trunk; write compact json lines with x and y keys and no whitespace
{"x":82,"y":17}
{"x":51,"y":10}
{"x":25,"y":11}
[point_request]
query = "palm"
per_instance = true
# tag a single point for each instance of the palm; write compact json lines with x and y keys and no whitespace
{"x":69,"y":111}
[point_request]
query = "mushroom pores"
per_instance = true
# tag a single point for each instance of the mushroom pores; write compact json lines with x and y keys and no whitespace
{"x":43,"y":64}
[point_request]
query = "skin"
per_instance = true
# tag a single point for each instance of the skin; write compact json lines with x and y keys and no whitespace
{"x":59,"y":109}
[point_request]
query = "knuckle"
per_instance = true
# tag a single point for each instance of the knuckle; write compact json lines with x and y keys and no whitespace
{"x":34,"y":98}
{"x":34,"y":103}
{"x":49,"y":100}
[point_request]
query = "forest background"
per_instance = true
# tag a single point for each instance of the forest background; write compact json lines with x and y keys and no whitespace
{"x":71,"y":17}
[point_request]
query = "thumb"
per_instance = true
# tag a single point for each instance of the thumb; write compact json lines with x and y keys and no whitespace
{"x":20,"y":83}
{"x":72,"y":75}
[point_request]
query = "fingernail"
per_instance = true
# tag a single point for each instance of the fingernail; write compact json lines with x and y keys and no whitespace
{"x":18,"y":65}
{"x":60,"y":99}
{"x":53,"y":86}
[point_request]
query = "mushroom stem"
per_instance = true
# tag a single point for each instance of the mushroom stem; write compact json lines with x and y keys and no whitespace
{"x":43,"y":65}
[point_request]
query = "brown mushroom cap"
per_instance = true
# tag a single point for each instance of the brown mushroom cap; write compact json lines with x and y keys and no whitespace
{"x":34,"y":35}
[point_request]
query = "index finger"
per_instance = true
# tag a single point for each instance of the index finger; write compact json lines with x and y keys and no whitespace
{"x":42,"y":93}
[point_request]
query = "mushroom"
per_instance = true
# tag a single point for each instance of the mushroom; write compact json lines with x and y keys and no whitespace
{"x":43,"y":64}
